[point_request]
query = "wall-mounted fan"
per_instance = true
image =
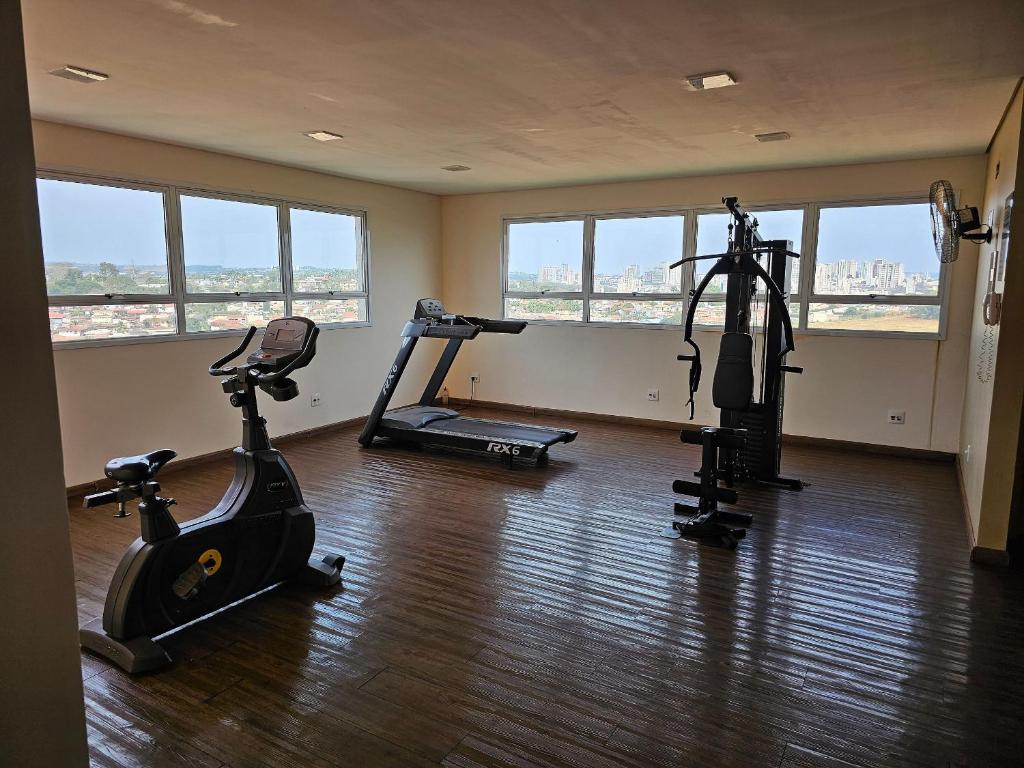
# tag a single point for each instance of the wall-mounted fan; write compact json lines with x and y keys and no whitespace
{"x":950,"y":224}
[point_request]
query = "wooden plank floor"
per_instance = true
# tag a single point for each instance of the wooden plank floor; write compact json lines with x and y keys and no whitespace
{"x":535,"y":618}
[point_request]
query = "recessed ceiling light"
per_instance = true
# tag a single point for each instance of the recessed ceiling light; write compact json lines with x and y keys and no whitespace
{"x":709,"y":80}
{"x":324,"y":136}
{"x":776,"y":136}
{"x":456,"y":168}
{"x":80,"y":74}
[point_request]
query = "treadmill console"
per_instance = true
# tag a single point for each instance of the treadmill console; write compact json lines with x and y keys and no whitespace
{"x":430,"y":308}
{"x":282,"y":343}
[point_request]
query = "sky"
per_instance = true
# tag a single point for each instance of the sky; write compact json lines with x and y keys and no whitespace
{"x":895,"y":233}
{"x":90,"y":223}
{"x":645,"y":241}
{"x":232,"y":234}
{"x":863,"y":233}
{"x":324,"y":239}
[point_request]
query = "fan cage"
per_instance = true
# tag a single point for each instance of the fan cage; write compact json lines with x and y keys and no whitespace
{"x":945,"y":221}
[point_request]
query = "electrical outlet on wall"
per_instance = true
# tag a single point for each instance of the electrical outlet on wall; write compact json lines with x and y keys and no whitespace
{"x":897,"y":417}
{"x":653,"y":395}
{"x":967,"y":455}
{"x":474,"y":377}
{"x":314,"y":400}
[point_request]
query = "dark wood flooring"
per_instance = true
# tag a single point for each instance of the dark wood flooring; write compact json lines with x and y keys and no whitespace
{"x":535,"y":618}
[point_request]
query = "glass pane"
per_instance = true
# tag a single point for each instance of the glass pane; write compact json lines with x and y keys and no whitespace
{"x":230,"y":315}
{"x":616,"y":311}
{"x":794,"y":314}
{"x":99,"y":239}
{"x":632,"y":255}
{"x":710,"y":313}
{"x":544,"y":309}
{"x":874,"y":317}
{"x":713,"y":237}
{"x":327,"y":251}
{"x":545,"y":255}
{"x":876,"y":249}
{"x":331,"y":310}
{"x":229,"y":246}
{"x":111,"y":321}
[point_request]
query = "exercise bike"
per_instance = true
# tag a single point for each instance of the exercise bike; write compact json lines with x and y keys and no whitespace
{"x":259,"y":534}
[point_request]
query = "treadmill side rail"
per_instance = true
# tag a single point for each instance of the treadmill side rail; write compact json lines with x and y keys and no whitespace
{"x":465,"y":441}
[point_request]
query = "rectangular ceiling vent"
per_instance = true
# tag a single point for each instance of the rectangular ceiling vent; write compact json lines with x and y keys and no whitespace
{"x":455,"y":168}
{"x":79,"y":74}
{"x":709,"y":80}
{"x":777,"y":136}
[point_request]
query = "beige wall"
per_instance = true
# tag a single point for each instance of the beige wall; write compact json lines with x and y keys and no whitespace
{"x":849,"y":384}
{"x":42,"y":718}
{"x":991,"y":416}
{"x":125,"y":399}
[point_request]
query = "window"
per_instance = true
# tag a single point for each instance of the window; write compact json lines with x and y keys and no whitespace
{"x":631,"y":270}
{"x":864,"y":268}
{"x":229,"y":246}
{"x":100,"y":240}
{"x":544,"y":280}
{"x":875,"y":270}
{"x":328,"y":265}
{"x":601,"y":269}
{"x":126,"y":261}
{"x":106,"y":260}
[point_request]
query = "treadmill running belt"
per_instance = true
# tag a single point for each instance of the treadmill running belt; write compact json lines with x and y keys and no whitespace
{"x":511,"y":433}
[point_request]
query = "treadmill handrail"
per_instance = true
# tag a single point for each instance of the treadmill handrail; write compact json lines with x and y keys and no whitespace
{"x":498,"y":326}
{"x":418,"y":328}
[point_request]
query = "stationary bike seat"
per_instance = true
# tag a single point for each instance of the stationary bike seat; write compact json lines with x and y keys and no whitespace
{"x":136,"y":469}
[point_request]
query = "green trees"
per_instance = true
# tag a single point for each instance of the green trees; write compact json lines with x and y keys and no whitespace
{"x":63,"y":279}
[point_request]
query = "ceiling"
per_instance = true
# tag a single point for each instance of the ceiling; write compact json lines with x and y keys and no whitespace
{"x":533,"y":93}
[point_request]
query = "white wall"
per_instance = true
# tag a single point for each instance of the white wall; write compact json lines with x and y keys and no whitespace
{"x":42,"y":716}
{"x":125,"y":399}
{"x":849,"y":384}
{"x":991,"y":416}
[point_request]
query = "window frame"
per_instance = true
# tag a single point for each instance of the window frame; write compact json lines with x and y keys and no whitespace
{"x":587,"y":293}
{"x":174,"y":239}
{"x":801,"y":294}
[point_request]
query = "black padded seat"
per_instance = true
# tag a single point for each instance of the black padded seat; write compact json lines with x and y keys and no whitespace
{"x":136,"y":469}
{"x":733,"y":387}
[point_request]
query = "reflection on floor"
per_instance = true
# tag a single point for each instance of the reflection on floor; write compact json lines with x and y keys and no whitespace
{"x":535,"y":618}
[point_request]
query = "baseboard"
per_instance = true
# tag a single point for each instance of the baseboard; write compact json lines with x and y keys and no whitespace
{"x":996,"y":558}
{"x":821,"y":442}
{"x":458,"y":402}
{"x":972,"y":537}
{"x":180,"y":465}
{"x":884,"y":450}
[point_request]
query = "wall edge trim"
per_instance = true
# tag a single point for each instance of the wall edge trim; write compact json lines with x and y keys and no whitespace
{"x":189,"y":462}
{"x":823,"y":442}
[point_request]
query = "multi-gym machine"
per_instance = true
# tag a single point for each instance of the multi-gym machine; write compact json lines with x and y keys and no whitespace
{"x":748,"y":383}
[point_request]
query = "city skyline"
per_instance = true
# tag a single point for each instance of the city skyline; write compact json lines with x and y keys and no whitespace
{"x":841,"y":277}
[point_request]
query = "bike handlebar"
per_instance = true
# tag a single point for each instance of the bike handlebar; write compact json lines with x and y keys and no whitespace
{"x":216,"y":370}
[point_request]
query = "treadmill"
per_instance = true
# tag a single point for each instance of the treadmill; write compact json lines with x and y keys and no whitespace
{"x":427,"y":424}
